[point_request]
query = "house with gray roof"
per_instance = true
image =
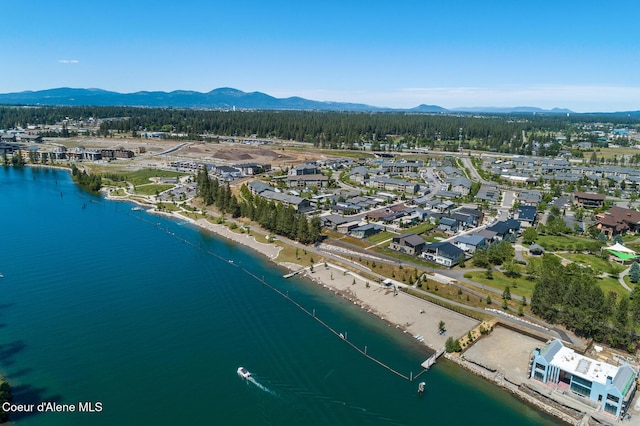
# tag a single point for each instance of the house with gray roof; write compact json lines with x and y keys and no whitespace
{"x":470,"y":242}
{"x":411,"y":244}
{"x":460,"y":185}
{"x":300,"y":204}
{"x":443,"y":253}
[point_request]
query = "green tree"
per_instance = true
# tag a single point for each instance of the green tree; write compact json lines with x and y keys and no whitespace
{"x":634,"y":272}
{"x":529,"y":235}
{"x":452,"y":345}
{"x":506,"y":294}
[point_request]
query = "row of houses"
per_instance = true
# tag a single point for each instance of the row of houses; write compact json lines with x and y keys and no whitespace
{"x":531,"y":169}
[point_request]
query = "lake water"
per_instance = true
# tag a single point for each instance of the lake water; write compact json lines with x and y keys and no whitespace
{"x":104,"y":304}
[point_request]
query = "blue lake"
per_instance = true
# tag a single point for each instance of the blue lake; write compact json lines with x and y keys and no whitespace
{"x":101,"y":303}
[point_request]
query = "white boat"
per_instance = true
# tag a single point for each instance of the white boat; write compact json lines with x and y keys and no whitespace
{"x":243,"y":372}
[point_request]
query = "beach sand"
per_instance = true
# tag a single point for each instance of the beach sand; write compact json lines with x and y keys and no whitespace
{"x":409,"y":313}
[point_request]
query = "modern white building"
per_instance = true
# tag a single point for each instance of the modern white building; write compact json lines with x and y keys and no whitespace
{"x":611,"y":387}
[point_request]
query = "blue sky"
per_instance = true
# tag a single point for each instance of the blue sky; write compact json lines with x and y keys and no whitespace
{"x":583,"y":55}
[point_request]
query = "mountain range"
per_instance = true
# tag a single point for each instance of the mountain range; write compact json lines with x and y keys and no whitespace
{"x":224,"y":98}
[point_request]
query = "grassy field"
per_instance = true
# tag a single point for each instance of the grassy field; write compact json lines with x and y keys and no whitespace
{"x":518,"y":286}
{"x":419,"y":229}
{"x":143,"y":176}
{"x":380,"y":237}
{"x":608,"y":284}
{"x":596,"y":262}
{"x":152,"y":188}
{"x":564,"y":242}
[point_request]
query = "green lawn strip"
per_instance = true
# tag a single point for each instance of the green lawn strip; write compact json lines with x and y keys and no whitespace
{"x":597,"y":263}
{"x":523,"y":286}
{"x":419,"y":229}
{"x":169,"y":207}
{"x":566,"y":242}
{"x":140,"y":177}
{"x":406,"y":258}
{"x":380,"y":237}
{"x":608,"y":284}
{"x":152,"y":189}
{"x":433,"y":237}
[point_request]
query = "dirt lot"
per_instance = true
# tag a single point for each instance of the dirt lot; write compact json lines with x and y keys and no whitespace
{"x":224,"y":153}
{"x":506,"y":351}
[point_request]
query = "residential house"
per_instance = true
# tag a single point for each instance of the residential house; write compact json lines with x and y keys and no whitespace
{"x":475,"y":215}
{"x":529,"y":197}
{"x":411,"y":244}
{"x":227,"y":172}
{"x":448,"y":225}
{"x":305,"y":169}
{"x":304,"y":181}
{"x":589,"y":199}
{"x":257,"y":187}
{"x":333,"y":220}
{"x":358,"y":175}
{"x":300,"y":204}
{"x":506,"y":229}
{"x":470,"y":243}
{"x":460,"y":185}
{"x":390,"y":184}
{"x":443,"y":253}
{"x":527,"y":215}
{"x":367,"y":230}
{"x":489,"y":193}
{"x":618,"y":220}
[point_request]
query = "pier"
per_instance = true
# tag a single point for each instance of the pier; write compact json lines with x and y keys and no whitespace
{"x":432,"y":359}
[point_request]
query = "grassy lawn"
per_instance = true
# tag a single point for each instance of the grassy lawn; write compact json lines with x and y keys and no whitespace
{"x":169,"y":207}
{"x":140,"y":177}
{"x":419,"y":229}
{"x":152,"y":189}
{"x":519,"y":286}
{"x":380,"y":237}
{"x":597,"y":263}
{"x":433,"y":237}
{"x":566,"y":242}
{"x":608,"y":284}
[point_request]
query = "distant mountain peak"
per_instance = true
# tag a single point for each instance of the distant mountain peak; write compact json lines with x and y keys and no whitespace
{"x":227,"y":98}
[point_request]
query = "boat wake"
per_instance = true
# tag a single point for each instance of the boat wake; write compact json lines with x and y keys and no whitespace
{"x":261,"y":386}
{"x":245,"y":374}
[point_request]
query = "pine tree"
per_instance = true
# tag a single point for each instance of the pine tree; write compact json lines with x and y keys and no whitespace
{"x":634,"y":272}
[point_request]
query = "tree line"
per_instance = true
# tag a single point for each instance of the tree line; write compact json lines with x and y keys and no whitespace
{"x":501,"y":133}
{"x":570,"y":295}
{"x":90,"y":182}
{"x":272,"y":216}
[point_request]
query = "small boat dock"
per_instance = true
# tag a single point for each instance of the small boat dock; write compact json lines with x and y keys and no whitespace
{"x":432,"y":359}
{"x":291,"y":274}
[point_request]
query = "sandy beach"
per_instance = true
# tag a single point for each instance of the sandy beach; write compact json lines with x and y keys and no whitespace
{"x":413,"y":315}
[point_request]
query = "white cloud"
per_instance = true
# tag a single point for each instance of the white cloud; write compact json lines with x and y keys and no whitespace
{"x":68,"y":61}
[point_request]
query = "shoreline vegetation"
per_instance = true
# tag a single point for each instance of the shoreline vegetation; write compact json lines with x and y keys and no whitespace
{"x":394,"y":305}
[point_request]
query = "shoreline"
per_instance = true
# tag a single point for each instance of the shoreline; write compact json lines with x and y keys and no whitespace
{"x":387,"y":304}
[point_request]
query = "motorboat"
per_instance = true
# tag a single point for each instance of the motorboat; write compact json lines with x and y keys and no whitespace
{"x":243,"y":372}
